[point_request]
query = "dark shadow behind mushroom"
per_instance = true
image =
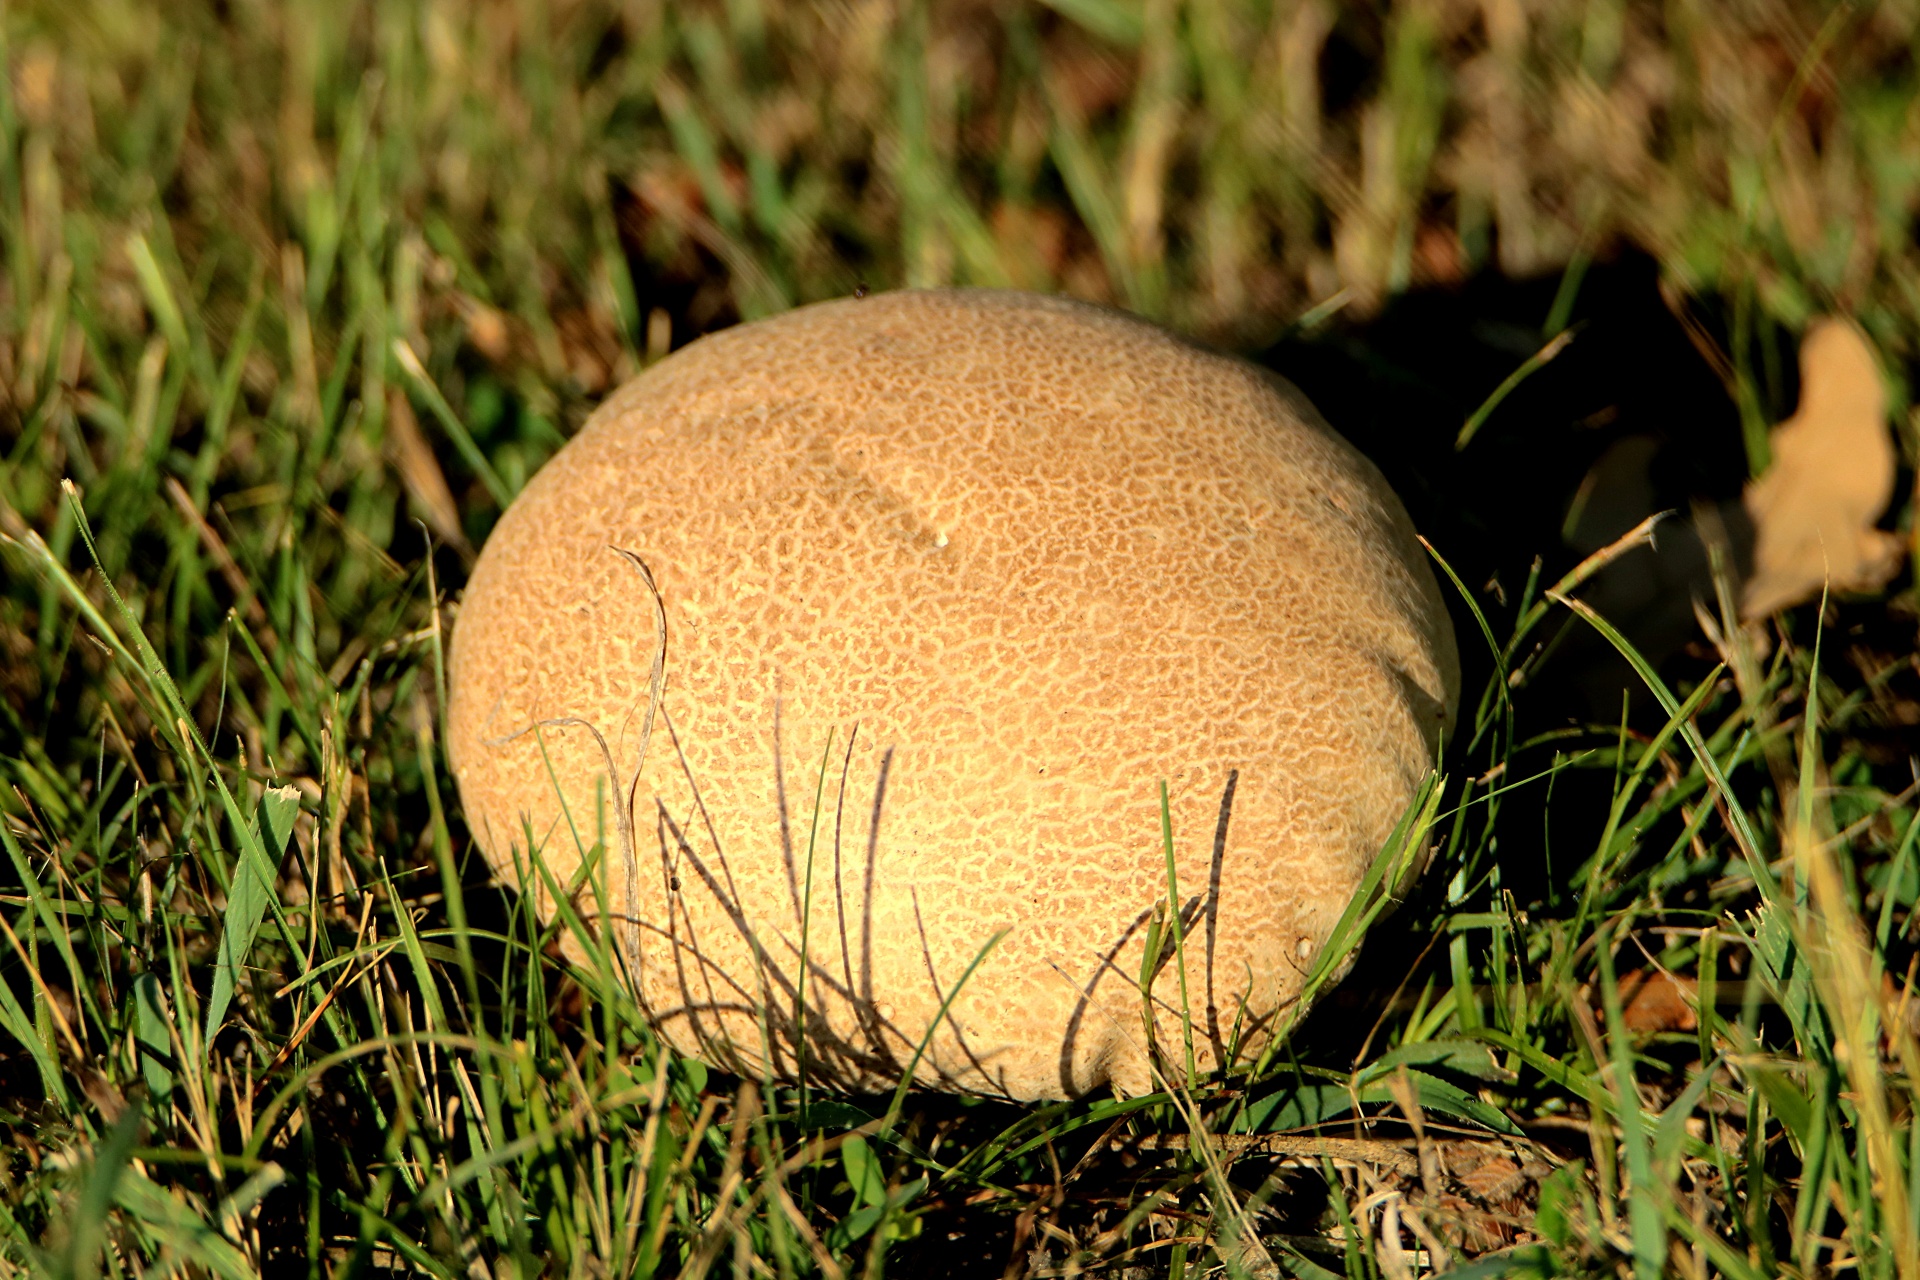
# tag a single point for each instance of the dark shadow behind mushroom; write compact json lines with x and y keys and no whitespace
{"x":1628,"y":420}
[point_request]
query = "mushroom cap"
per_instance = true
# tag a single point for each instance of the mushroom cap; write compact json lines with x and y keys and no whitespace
{"x":954,"y":581}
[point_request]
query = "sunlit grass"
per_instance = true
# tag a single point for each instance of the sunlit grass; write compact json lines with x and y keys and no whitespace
{"x":297,"y":297}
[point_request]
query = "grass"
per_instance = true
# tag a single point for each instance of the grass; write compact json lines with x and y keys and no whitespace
{"x":297,"y":296}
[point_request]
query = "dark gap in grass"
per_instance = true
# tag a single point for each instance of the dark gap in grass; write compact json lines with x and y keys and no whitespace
{"x":1630,"y":390}
{"x":1349,"y":62}
{"x":671,"y":271}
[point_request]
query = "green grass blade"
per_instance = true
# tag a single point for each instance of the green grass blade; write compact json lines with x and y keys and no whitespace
{"x":1737,"y":815}
{"x":1530,"y":366}
{"x":425,"y":387}
{"x":247,"y":899}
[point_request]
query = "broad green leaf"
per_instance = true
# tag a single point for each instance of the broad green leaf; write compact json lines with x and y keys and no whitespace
{"x":1468,"y":1057}
{"x":151,"y":1029}
{"x":1559,"y":1200}
{"x":1527,"y":1262}
{"x":278,"y":809}
{"x":1297,"y":1108}
{"x":188,"y":1234}
{"x":247,"y":900}
{"x":855,"y":1225}
{"x":864,"y":1174}
{"x":1783,"y":971}
{"x":1436,"y":1094}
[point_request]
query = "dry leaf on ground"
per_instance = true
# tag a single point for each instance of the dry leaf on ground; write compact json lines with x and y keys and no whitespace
{"x":420,"y":471}
{"x":1832,"y":475}
{"x":1653,"y":1000}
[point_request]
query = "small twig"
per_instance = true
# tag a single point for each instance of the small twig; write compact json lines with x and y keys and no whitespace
{"x":307,"y":1024}
{"x":1355,"y":1151}
{"x":1401,"y":1084}
{"x":46,"y":992}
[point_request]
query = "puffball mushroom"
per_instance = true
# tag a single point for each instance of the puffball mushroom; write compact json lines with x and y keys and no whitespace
{"x":952,"y":582}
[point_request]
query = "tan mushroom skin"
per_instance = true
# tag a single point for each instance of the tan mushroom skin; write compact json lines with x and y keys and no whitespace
{"x":953,"y":581}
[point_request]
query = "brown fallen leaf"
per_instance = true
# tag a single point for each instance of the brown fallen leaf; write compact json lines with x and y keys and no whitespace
{"x":1493,"y":1177}
{"x":1652,"y":1000}
{"x":1832,"y":475}
{"x":420,"y":471}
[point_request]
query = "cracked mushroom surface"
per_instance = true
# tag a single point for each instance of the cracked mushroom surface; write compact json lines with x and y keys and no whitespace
{"x":952,"y":580}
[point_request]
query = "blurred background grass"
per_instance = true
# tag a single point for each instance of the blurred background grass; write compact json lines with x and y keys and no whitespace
{"x":538,"y":196}
{"x":299,"y":294}
{"x":1221,"y":166}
